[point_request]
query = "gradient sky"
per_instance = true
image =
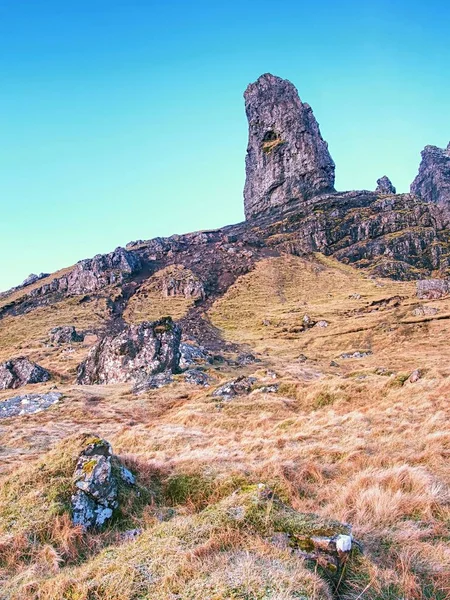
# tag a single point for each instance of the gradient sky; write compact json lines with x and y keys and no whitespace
{"x":124,"y":120}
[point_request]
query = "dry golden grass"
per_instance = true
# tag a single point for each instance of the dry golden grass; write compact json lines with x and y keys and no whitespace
{"x":149,"y":303}
{"x":353,"y":443}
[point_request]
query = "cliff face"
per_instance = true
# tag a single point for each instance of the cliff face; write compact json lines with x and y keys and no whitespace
{"x":287,"y":159}
{"x":432,"y":183}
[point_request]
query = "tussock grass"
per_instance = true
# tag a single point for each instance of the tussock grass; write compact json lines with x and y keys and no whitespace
{"x":357,"y":443}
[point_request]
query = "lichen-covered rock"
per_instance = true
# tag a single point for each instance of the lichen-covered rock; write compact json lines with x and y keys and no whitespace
{"x":96,"y":483}
{"x":28,"y":404}
{"x":136,"y":354}
{"x":20,"y":371}
{"x":287,"y":159}
{"x":384,"y":186}
{"x":432,"y":289}
{"x":432,"y":183}
{"x":65,"y":335}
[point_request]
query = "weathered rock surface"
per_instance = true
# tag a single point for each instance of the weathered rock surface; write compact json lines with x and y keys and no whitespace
{"x":135,"y":354}
{"x":28,"y":404}
{"x":287,"y":159}
{"x":191,"y":354}
{"x":65,"y":335}
{"x":94,"y":274}
{"x":197,"y":377}
{"x":384,"y":186}
{"x":235,"y":387}
{"x":96,"y":481}
{"x":182,"y":282}
{"x":32,"y":278}
{"x":432,"y":289}
{"x":432,"y":183}
{"x":20,"y":371}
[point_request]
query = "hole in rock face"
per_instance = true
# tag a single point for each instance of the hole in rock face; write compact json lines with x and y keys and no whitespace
{"x":271,"y":141}
{"x":270,"y":136}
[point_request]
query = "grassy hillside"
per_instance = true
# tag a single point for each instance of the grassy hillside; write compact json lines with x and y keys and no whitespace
{"x":354,"y":441}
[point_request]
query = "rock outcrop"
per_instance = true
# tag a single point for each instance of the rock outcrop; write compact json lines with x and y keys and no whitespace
{"x":432,"y":183}
{"x":93,"y":274}
{"x":134,"y":355}
{"x":65,"y":335}
{"x":20,"y":371}
{"x":32,"y":278}
{"x":384,"y":186}
{"x":96,"y":484}
{"x":432,"y":289}
{"x":287,"y":159}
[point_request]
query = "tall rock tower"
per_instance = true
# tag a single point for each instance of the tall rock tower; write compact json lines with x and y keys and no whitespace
{"x":287,"y":159}
{"x":432,"y":183}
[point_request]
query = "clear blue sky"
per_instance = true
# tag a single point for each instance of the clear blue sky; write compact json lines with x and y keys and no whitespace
{"x":124,"y":120}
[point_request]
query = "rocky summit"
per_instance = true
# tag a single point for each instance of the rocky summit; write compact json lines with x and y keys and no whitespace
{"x":275,"y":391}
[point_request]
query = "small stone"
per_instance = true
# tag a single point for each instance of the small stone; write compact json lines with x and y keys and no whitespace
{"x":321,"y":324}
{"x":65,"y":335}
{"x":302,"y":358}
{"x":357,"y":354}
{"x":235,"y":387}
{"x":333,"y":363}
{"x":415,"y":376}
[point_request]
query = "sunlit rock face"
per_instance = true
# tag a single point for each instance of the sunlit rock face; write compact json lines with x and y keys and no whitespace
{"x":432,"y":183}
{"x":287,"y":159}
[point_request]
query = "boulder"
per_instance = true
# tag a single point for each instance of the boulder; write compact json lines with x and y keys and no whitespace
{"x":191,"y":354}
{"x":384,"y":186}
{"x":287,"y":159}
{"x":28,"y":404}
{"x":134,"y":355}
{"x":432,"y":289}
{"x":197,"y":377}
{"x":235,"y":387}
{"x":65,"y":335}
{"x":432,"y":183}
{"x":96,"y":484}
{"x":20,"y":371}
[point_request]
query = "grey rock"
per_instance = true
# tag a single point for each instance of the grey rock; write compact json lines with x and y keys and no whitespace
{"x":28,"y":404}
{"x":432,"y":289}
{"x":93,"y":274}
{"x":247,"y":359}
{"x":432,"y":183}
{"x":153,"y":382}
{"x":65,"y":335}
{"x":21,"y":371}
{"x":235,"y":387}
{"x":191,"y":354}
{"x":415,"y":376}
{"x":182,"y":283}
{"x":95,"y":481}
{"x":134,"y":355}
{"x":287,"y":159}
{"x":32,"y":278}
{"x":424,"y":310}
{"x":322,"y":323}
{"x":384,"y":186}
{"x":357,"y":354}
{"x":197,"y":377}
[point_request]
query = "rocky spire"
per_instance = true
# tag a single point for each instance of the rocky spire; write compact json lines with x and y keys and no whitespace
{"x":287,"y":158}
{"x":432,"y":183}
{"x":384,"y":186}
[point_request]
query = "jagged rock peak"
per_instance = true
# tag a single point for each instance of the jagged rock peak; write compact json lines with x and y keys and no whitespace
{"x":432,"y":183}
{"x":287,"y":159}
{"x":384,"y":186}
